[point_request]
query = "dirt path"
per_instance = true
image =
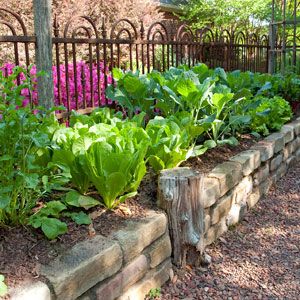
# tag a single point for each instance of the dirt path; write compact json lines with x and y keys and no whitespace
{"x":258,"y":259}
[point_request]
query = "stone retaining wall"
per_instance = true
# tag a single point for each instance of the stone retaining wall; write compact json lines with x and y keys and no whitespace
{"x":125,"y":265}
{"x":235,"y":186}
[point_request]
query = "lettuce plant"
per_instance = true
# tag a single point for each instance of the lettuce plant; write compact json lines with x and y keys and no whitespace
{"x":116,"y":165}
{"x":107,"y":157}
{"x":269,"y":114}
{"x":167,"y":148}
{"x":172,"y":140}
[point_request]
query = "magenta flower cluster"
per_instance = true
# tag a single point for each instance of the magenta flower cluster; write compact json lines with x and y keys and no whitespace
{"x":83,"y":86}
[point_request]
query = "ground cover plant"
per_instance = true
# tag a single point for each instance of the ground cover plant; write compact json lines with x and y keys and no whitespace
{"x":52,"y":172}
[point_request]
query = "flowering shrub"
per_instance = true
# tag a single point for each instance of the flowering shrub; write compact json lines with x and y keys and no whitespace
{"x":90,"y":88}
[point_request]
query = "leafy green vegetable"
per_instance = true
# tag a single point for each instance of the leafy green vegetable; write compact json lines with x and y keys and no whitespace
{"x":53,"y":227}
{"x":47,"y":219}
{"x":25,"y":140}
{"x":269,"y":114}
{"x":134,"y":92}
{"x":171,"y":143}
{"x":116,"y":165}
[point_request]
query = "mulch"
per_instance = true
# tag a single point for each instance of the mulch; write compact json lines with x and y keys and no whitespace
{"x":23,"y":249}
{"x":205,"y":163}
{"x":257,"y":259}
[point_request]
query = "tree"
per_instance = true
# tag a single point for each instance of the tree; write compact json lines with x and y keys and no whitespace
{"x":233,"y":14}
{"x":113,"y":10}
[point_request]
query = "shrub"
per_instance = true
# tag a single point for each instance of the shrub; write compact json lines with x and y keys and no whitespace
{"x":84,"y":92}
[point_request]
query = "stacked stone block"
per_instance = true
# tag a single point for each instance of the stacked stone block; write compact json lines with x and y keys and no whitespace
{"x":125,"y":265}
{"x":232,"y":188}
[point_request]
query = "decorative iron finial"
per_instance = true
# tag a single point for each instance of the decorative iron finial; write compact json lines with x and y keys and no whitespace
{"x":142,"y":30}
{"x":56,"y":26}
{"x":103,"y":28}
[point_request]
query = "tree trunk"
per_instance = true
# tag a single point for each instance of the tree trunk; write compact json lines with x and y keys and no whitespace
{"x":179,"y":194}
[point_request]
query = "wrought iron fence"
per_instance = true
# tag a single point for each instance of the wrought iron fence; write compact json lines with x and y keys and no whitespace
{"x":84,"y":54}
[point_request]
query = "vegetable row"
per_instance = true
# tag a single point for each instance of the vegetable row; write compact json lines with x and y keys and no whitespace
{"x":50,"y":172}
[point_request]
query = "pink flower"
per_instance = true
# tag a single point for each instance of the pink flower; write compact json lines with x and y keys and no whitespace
{"x":86,"y":87}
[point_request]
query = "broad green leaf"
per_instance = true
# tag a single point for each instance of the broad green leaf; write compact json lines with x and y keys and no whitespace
{"x":32,"y":180}
{"x":139,"y":173}
{"x":40,"y":139}
{"x":81,"y":145}
{"x":199,"y":150}
{"x":81,"y":218}
{"x":73,"y":198}
{"x":115,"y":184}
{"x":52,"y":227}
{"x":54,"y":208}
{"x":185,"y":87}
{"x":35,"y":221}
{"x":237,"y":120}
{"x":134,"y":86}
{"x":232,"y":141}
{"x":220,"y":72}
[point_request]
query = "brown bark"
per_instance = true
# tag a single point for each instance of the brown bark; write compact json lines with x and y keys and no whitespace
{"x":179,"y":194}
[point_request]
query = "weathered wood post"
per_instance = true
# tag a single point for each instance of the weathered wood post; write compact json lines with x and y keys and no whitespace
{"x":43,"y":51}
{"x":179,"y":194}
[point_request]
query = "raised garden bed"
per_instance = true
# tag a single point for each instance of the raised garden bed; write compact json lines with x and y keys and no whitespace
{"x":134,"y":256}
{"x":52,"y":173}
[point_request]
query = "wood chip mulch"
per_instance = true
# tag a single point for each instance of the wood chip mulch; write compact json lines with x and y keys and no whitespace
{"x":258,"y":259}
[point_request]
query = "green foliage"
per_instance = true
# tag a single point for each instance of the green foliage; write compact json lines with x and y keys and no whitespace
{"x":47,"y":218}
{"x":154,"y":293}
{"x":223,"y":118}
{"x":116,"y":165}
{"x":269,"y":114}
{"x":287,"y":86}
{"x":233,"y":14}
{"x":76,"y":199}
{"x":170,"y":142}
{"x":69,"y":146}
{"x":25,"y":139}
{"x":166,"y":118}
{"x":107,"y":157}
{"x":134,"y":92}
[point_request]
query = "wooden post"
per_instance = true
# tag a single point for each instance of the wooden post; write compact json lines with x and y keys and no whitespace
{"x":179,"y":194}
{"x":272,"y":41}
{"x":272,"y":50}
{"x":43,"y":51}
